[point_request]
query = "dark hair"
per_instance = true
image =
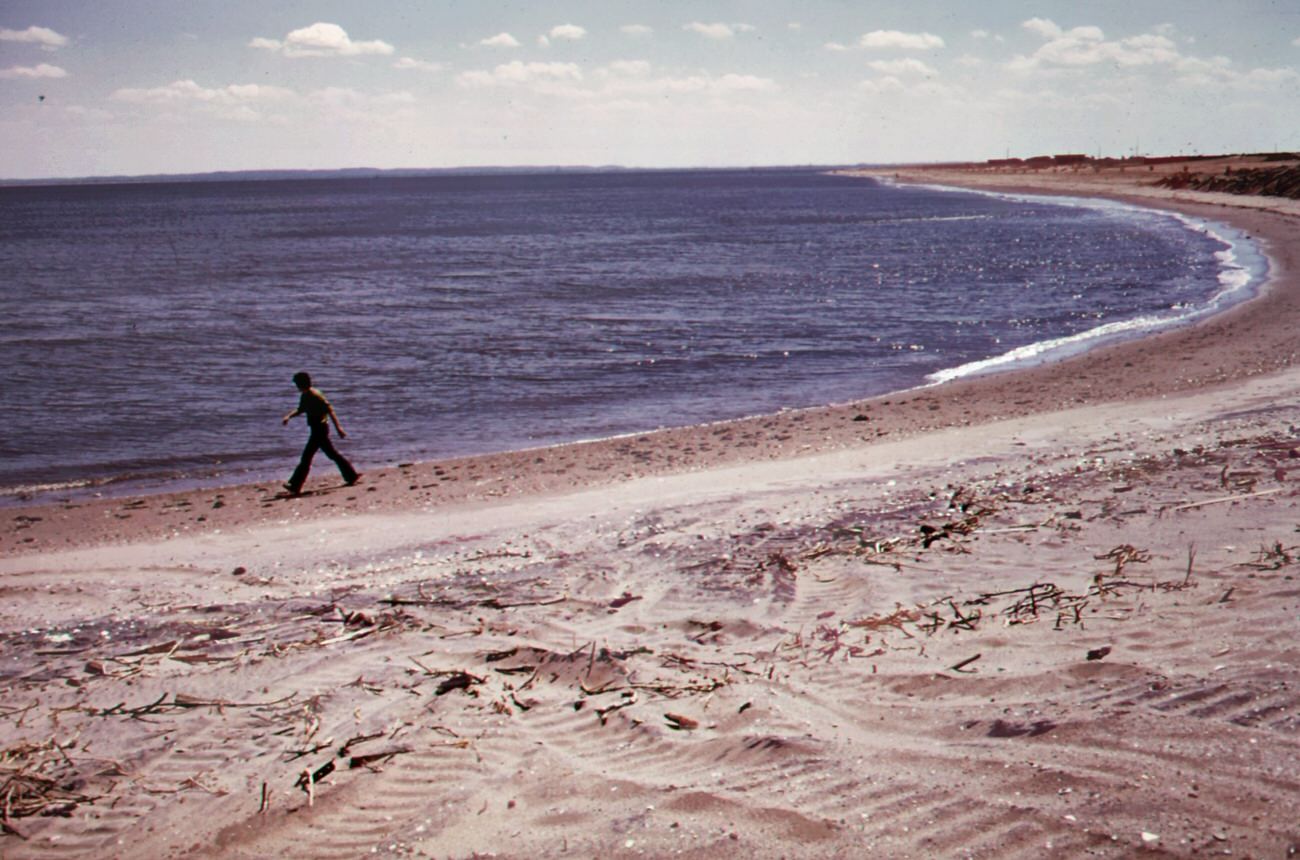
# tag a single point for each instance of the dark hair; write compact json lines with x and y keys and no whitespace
{"x":302,"y":379}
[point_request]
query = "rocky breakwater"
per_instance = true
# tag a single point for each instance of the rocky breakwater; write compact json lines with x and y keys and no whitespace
{"x":1281,"y":181}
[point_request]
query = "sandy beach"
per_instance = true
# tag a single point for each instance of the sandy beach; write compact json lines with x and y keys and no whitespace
{"x":1041,"y":613}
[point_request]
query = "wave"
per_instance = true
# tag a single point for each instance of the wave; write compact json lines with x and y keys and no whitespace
{"x":1242,"y":269}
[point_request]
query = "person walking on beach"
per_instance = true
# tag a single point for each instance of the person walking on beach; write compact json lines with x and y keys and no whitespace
{"x":319,"y":415}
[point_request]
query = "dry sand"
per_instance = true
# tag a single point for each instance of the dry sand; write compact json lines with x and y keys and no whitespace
{"x":1046,"y":613}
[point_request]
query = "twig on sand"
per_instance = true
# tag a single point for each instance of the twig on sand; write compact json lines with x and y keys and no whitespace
{"x":375,"y":758}
{"x":629,"y":699}
{"x":181,"y":701}
{"x":1123,"y":554}
{"x":961,"y":666}
{"x":674,"y":690}
{"x":497,"y":603}
{"x":489,"y":603}
{"x":308,"y":778}
{"x":1222,"y":499}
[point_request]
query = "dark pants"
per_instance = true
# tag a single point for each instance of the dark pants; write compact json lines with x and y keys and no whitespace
{"x":320,"y":441}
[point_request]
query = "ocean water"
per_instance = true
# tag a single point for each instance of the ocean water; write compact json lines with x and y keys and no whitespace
{"x":150,"y":330}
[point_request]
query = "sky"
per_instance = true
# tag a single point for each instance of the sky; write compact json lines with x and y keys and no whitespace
{"x":129,"y":87}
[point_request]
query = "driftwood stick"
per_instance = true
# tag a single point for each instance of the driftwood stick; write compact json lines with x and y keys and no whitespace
{"x":1222,"y":499}
{"x":373,"y":758}
{"x":496,"y":603}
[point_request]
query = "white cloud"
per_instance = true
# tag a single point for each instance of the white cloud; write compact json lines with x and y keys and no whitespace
{"x":796,"y":26}
{"x":716,"y":31}
{"x":569,"y":32}
{"x":720,"y":85}
{"x":418,"y":65}
{"x":629,"y":68}
{"x":1219,"y":73}
{"x":43,"y":70}
{"x":883,"y":86}
{"x":43,"y":36}
{"x":238,"y":102}
{"x":897,"y":39}
{"x":321,"y":40}
{"x":82,"y":112}
{"x":1043,"y":27}
{"x":1265,"y":78}
{"x":179,"y":92}
{"x":1296,"y":42}
{"x":906,"y":66}
{"x":636,"y":30}
{"x":1088,"y":46}
{"x":367,"y":109}
{"x":500,"y":40}
{"x":518,"y":73}
{"x":836,"y":46}
{"x":349,"y":97}
{"x":732,"y":83}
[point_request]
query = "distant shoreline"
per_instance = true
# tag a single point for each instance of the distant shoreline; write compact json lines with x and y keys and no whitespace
{"x":387,"y":173}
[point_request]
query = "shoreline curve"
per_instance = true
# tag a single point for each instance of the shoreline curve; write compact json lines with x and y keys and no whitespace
{"x":1251,"y":338}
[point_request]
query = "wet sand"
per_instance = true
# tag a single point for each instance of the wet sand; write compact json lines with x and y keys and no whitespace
{"x":1039,"y":613}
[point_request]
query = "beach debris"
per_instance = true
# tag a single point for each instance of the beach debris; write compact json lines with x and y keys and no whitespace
{"x":370,"y":759}
{"x":458,"y":681}
{"x":1224,"y":499}
{"x":1275,"y":557}
{"x":1006,"y":729}
{"x":1098,"y":653}
{"x":623,"y":600}
{"x":961,"y":665}
{"x":895,"y":619}
{"x":1125,"y":554}
{"x":948,"y":531}
{"x":308,"y":778}
{"x":626,"y":700}
{"x":959,"y":620}
{"x":489,"y":603}
{"x":180,"y":701}
{"x":38,"y":779}
{"x":781,"y":563}
{"x":680,"y":722}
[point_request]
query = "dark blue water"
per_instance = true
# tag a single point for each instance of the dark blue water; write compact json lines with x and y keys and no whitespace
{"x":150,"y":330}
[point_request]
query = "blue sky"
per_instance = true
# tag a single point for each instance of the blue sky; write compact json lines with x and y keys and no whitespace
{"x":135,"y":87}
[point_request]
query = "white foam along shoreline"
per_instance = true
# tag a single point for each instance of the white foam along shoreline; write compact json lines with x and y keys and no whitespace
{"x":1242,"y":271}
